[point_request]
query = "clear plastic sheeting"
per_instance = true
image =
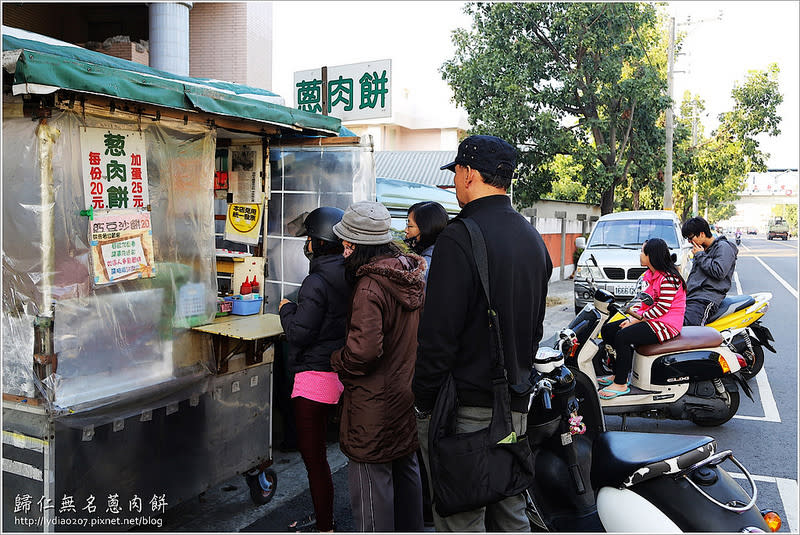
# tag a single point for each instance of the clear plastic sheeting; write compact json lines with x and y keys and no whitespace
{"x":129,"y":336}
{"x":303,"y":178}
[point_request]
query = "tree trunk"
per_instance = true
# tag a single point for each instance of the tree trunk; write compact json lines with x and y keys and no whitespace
{"x":607,"y":201}
{"x":636,"y":199}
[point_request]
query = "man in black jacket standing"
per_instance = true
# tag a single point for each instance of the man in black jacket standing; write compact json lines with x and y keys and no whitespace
{"x":453,"y":333}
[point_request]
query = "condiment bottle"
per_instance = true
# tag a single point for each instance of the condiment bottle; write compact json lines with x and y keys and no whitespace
{"x":246,"y":288}
{"x":255,"y":287}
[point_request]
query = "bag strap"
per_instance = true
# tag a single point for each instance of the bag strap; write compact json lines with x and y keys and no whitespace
{"x":501,"y":424}
{"x":482,"y":263}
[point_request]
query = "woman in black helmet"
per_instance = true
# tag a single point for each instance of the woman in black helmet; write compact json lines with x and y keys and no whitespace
{"x":315,"y":326}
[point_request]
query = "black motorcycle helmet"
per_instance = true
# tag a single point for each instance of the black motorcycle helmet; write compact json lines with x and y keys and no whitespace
{"x":319,"y":224}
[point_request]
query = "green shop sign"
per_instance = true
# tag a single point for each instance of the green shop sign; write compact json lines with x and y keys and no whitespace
{"x":352,"y":92}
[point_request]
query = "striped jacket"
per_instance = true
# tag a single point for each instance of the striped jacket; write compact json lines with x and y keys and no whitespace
{"x":665,"y":316}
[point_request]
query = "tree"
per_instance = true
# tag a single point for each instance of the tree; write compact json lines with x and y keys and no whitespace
{"x":755,"y":112}
{"x":789,"y":213}
{"x":584,"y":79}
{"x":567,"y":186}
{"x":719,"y":164}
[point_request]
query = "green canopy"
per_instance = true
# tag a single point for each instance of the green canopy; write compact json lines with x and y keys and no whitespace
{"x":43,"y":66}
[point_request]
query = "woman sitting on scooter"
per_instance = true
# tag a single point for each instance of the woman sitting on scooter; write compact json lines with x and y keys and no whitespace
{"x":653,"y":324}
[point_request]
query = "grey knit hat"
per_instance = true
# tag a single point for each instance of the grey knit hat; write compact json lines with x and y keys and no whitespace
{"x":365,"y":223}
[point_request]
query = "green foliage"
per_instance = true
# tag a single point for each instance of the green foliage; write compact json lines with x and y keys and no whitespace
{"x":568,"y":186}
{"x":789,"y":213}
{"x":584,"y":79}
{"x":755,"y":112}
{"x":719,"y":164}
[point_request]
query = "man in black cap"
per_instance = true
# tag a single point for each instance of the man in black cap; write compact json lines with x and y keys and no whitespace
{"x":453,"y":333}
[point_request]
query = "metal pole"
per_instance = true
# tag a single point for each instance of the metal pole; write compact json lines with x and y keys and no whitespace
{"x":324,"y":90}
{"x":694,"y":145}
{"x":670,"y":66}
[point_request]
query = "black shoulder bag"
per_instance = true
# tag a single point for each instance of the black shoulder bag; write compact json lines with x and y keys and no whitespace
{"x":472,"y":470}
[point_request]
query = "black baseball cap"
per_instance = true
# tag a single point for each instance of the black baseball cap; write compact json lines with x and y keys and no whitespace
{"x":487,"y":154}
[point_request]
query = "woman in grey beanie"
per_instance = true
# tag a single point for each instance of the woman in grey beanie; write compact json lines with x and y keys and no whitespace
{"x":376,"y":365}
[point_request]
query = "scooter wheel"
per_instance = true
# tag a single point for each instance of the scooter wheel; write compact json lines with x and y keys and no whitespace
{"x":262,"y":486}
{"x":713,"y":421}
{"x":754,"y":363}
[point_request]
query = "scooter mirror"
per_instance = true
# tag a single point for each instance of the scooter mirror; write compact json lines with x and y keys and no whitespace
{"x":645,"y":298}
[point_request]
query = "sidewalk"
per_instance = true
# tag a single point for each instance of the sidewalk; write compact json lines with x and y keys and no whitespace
{"x":228,"y":508}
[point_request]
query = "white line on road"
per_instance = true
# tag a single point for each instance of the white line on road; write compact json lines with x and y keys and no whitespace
{"x":771,"y":413}
{"x":778,"y":277}
{"x":787,"y":488}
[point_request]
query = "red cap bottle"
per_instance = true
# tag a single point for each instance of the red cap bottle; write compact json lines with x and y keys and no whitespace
{"x":255,"y":287}
{"x":246,"y":288}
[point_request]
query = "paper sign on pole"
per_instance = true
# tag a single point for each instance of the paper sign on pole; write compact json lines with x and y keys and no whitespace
{"x":122,"y":246}
{"x":114,"y":166}
{"x":243,"y":223}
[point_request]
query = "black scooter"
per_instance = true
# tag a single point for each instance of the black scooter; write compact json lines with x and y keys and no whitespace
{"x":590,"y":479}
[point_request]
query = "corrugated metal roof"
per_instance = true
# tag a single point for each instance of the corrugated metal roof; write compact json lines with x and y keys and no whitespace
{"x":421,"y":166}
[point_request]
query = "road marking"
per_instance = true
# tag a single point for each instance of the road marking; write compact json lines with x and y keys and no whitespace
{"x":778,"y":277}
{"x":787,"y":488}
{"x":771,"y":413}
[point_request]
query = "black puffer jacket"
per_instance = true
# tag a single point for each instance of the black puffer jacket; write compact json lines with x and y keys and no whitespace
{"x":315,"y":326}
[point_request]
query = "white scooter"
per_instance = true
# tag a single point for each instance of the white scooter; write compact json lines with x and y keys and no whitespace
{"x":691,"y":377}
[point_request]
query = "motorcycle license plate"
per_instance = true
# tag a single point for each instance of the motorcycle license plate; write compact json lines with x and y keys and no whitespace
{"x":628,"y":290}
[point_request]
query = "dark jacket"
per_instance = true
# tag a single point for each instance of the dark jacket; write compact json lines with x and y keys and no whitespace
{"x":710,"y":278}
{"x":454,"y":333}
{"x":315,"y":326}
{"x":376,"y":364}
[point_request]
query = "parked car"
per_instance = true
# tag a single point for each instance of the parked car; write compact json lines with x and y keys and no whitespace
{"x":752,"y":230}
{"x":611,"y":255}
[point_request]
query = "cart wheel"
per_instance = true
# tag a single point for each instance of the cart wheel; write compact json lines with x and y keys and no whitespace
{"x":262,"y":486}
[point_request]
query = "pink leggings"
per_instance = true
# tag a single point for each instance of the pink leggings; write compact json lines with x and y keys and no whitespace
{"x":311,"y":419}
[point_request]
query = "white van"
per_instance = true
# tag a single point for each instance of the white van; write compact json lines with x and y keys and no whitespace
{"x":611,"y":256}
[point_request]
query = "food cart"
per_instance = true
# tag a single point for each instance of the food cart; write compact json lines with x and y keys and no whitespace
{"x":131,"y":198}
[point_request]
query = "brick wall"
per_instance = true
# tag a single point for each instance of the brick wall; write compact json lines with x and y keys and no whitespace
{"x":38,"y":18}
{"x":553,"y":243}
{"x":130,"y":51}
{"x":218,"y":41}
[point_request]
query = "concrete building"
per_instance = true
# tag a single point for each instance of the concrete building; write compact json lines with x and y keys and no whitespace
{"x":229,"y":41}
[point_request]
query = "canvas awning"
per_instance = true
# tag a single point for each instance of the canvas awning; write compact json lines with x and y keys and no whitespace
{"x":42,"y":65}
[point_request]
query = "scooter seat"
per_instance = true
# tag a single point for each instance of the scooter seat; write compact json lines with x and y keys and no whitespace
{"x":731,"y":304}
{"x":690,"y":338}
{"x":623,"y":459}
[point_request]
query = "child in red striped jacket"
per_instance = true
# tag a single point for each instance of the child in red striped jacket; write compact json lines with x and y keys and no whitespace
{"x":659,"y":322}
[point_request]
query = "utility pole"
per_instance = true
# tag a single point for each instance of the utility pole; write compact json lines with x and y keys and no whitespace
{"x":670,"y":66}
